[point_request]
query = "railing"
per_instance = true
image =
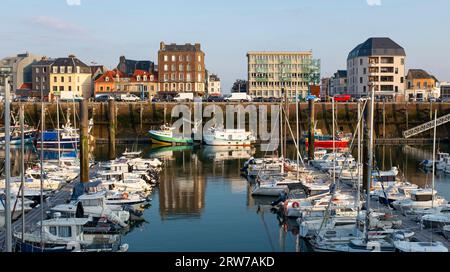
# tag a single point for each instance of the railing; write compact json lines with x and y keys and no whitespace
{"x":427,"y":126}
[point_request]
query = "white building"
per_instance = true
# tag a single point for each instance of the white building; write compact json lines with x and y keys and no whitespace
{"x":381,"y":62}
{"x":338,"y":83}
{"x":213,"y":83}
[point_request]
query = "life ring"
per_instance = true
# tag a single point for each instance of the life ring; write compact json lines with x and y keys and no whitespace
{"x":125,"y":195}
{"x":295,"y":205}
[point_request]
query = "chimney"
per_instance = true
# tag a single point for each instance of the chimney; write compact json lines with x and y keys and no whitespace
{"x":197,"y":46}
{"x":162,"y":45}
{"x":72,"y":56}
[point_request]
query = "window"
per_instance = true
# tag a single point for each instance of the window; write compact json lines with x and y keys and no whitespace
{"x":52,"y":230}
{"x":402,"y":79}
{"x":188,"y":58}
{"x":360,"y":62}
{"x":180,"y":67}
{"x":403,"y":61}
{"x":78,"y":69}
{"x":61,"y":88}
{"x":70,"y":79}
{"x":106,"y":79}
{"x":166,"y":77}
{"x":199,"y":58}
{"x":188,"y":68}
{"x":55,"y":88}
{"x":396,"y":71}
{"x":199,"y":67}
{"x":181,"y":76}
{"x":62,"y":69}
{"x":37,"y":87}
{"x":108,"y":88}
{"x":62,"y":79}
{"x":364,"y":71}
{"x":138,"y":78}
{"x":69,"y":70}
{"x":166,"y":58}
{"x":55,"y":69}
{"x":65,"y":231}
{"x":70,"y":88}
{"x":145,"y":78}
{"x":361,"y":80}
{"x":180,"y":58}
{"x":37,"y":79}
{"x":188,"y":77}
{"x":199,"y":78}
{"x":418,"y":85}
{"x":173,"y":58}
{"x":101,"y":88}
{"x":43,"y":79}
{"x":172,"y":76}
{"x":364,"y":89}
{"x":151,"y":78}
{"x":37,"y":70}
{"x":166,"y":67}
{"x":55,"y":79}
{"x":78,"y":88}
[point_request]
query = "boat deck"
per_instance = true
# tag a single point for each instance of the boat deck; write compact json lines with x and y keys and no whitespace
{"x":409,"y":223}
{"x":34,"y":216}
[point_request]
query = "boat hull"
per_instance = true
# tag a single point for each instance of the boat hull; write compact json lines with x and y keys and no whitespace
{"x":159,"y":139}
{"x":328,"y":143}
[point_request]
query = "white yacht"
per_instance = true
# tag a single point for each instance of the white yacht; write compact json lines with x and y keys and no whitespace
{"x":228,"y":137}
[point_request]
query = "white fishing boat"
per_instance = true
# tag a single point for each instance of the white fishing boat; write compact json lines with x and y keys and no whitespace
{"x":419,"y":199}
{"x":228,"y":137}
{"x":67,"y":235}
{"x":407,"y":246}
{"x":268,"y":189}
{"x":94,"y":205}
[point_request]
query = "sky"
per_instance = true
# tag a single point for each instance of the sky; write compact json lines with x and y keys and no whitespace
{"x":100,"y":31}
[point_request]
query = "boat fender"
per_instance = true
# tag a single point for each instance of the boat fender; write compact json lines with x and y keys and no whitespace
{"x":125,"y":195}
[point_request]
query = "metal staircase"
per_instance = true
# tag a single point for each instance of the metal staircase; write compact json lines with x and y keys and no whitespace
{"x":427,"y":126}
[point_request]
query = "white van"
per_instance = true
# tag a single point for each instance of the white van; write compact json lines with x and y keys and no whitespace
{"x":129,"y":98}
{"x":184,"y":97}
{"x":238,"y":97}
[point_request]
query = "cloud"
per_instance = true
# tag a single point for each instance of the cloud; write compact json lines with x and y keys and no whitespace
{"x":374,"y":2}
{"x":73,"y":2}
{"x":57,"y":24}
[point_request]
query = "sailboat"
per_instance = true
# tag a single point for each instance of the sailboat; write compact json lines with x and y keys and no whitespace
{"x":15,"y":133}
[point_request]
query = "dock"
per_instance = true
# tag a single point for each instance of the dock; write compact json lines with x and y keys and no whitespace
{"x":34,"y":216}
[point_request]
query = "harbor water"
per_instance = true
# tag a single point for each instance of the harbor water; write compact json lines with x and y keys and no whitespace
{"x":204,"y":204}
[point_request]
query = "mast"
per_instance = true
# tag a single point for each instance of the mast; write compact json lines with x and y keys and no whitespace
{"x":334,"y":142}
{"x":298,"y":132}
{"x":58,"y":130}
{"x":75,"y":127}
{"x":434,"y":158}
{"x":358,"y":171}
{"x":8,"y":218}
{"x":370,"y":163}
{"x":22,"y":168}
{"x":42,"y":170}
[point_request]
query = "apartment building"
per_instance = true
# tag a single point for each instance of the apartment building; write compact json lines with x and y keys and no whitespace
{"x":141,"y":83}
{"x":18,"y":68}
{"x":181,"y":68}
{"x":61,"y":78}
{"x":420,"y":85}
{"x":378,"y":61}
{"x":338,"y":83}
{"x":271,"y":72}
{"x":213,"y":83}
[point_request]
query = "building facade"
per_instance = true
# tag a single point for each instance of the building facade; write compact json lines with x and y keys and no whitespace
{"x":338,"y":83}
{"x":325,"y":87}
{"x":61,"y":78}
{"x":181,"y":68}
{"x":381,"y":63}
{"x":420,"y":86}
{"x":128,"y":67}
{"x":445,"y":91}
{"x":271,"y":72}
{"x":19,"y":70}
{"x":142,"y":83}
{"x":213,"y":85}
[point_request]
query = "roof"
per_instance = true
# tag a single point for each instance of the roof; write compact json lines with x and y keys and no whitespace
{"x":419,"y":74}
{"x":180,"y":47}
{"x":340,"y":73}
{"x":74,"y":62}
{"x":25,"y":86}
{"x":44,"y":62}
{"x":128,"y":66}
{"x":377,"y":46}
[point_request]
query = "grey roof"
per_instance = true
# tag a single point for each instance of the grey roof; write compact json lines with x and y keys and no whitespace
{"x":128,"y":66}
{"x":419,"y":74}
{"x":74,"y":62}
{"x":181,"y":47}
{"x":341,"y":73}
{"x":377,"y":46}
{"x":44,"y":62}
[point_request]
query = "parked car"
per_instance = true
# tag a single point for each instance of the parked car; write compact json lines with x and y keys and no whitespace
{"x":184,"y":97}
{"x":238,"y":97}
{"x":432,"y":99}
{"x":342,"y":98}
{"x":313,"y":98}
{"x":128,"y":98}
{"x":445,"y":99}
{"x":214,"y":99}
{"x":258,"y":99}
{"x":103,"y":98}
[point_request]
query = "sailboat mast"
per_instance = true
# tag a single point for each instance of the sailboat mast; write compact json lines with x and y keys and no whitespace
{"x":434,"y":156}
{"x":42,"y":170}
{"x":358,"y":171}
{"x":22,"y":168}
{"x":370,"y":163}
{"x":334,"y":141}
{"x":75,"y":127}
{"x":7,"y":167}
{"x":58,"y":130}
{"x":298,"y":132}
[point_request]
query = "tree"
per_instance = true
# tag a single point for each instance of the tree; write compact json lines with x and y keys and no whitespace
{"x":240,"y":85}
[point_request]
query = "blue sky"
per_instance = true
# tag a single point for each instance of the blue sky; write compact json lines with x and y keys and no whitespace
{"x":102,"y":30}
